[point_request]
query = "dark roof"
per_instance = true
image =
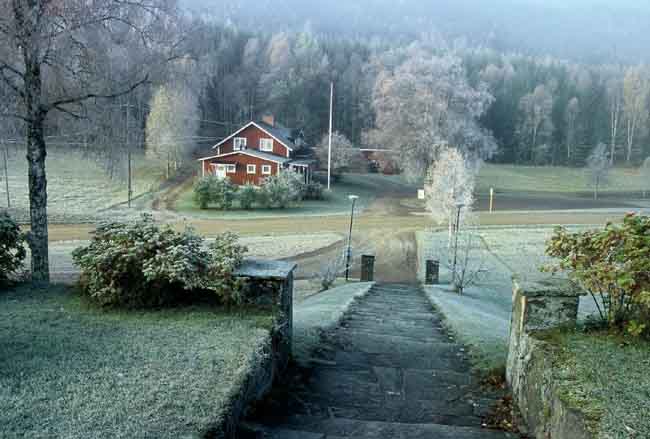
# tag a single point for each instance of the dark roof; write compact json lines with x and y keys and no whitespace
{"x":263,"y":155}
{"x":280,"y":132}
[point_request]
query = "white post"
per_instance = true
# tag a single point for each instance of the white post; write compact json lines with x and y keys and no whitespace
{"x":329,"y":147}
{"x":491,"y":199}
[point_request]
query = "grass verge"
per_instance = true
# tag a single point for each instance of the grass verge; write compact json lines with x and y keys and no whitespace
{"x":69,"y":370}
{"x":606,"y":377}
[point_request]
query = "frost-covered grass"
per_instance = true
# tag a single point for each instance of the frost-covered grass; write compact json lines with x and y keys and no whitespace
{"x":78,"y":186}
{"x":481,"y":316}
{"x":71,"y":371}
{"x":319,"y":312}
{"x":515,"y":178}
{"x":607,"y":377}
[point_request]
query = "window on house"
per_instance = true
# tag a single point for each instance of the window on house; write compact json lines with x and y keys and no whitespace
{"x":231,"y":169}
{"x":239,"y":143}
{"x":251,"y":169}
{"x":266,"y":169}
{"x":266,"y":145}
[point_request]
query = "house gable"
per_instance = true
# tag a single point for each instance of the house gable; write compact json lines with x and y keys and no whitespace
{"x":254,"y":133}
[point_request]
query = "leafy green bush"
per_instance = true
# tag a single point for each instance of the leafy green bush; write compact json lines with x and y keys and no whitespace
{"x":282,"y":189}
{"x":12,"y":247}
{"x":247,"y":196}
{"x":613,"y":265}
{"x":142,"y":264}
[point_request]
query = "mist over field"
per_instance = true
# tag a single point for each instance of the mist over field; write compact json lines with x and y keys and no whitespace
{"x":584,"y":30}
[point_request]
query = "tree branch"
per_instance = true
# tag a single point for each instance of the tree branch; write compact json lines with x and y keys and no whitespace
{"x":83,"y":97}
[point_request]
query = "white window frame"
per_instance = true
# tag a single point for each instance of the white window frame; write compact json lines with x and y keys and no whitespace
{"x":264,"y":145}
{"x":267,"y":169}
{"x":231,"y":169}
{"x":251,"y":169}
{"x":239,"y":143}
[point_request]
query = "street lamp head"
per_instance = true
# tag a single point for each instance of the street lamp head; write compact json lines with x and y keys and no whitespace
{"x":460,"y":205}
{"x":353,"y":197}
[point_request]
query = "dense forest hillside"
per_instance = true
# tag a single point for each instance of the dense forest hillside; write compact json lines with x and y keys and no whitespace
{"x":583,"y":30}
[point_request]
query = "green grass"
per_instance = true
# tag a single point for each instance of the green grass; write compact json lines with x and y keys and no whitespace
{"x":367,"y":186}
{"x":513,"y":178}
{"x":70,"y":370}
{"x":607,"y":378}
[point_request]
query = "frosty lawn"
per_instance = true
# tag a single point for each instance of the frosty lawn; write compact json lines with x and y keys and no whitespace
{"x":76,"y":372}
{"x":481,"y":317}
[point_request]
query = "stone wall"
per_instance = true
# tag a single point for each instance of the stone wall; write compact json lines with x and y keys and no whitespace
{"x":536,"y":309}
{"x":267,"y":284}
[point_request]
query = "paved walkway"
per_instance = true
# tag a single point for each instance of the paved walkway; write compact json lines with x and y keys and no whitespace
{"x":388,"y":371}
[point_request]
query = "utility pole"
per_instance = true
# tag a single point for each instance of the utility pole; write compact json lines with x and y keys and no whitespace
{"x":329,"y":146}
{"x":6,"y":153}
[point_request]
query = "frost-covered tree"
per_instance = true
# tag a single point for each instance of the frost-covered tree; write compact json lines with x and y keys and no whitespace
{"x":535,"y":123}
{"x":644,"y":172}
{"x":598,"y":165}
{"x":343,"y":152}
{"x":172,"y":125}
{"x":56,"y":55}
{"x":571,"y":117}
{"x":449,"y":187}
{"x":636,"y":92}
{"x":614,"y":91}
{"x":424,"y":102}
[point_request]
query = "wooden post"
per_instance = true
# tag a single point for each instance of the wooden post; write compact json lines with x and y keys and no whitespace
{"x":432,"y":275}
{"x":491,"y":199}
{"x":367,"y":268}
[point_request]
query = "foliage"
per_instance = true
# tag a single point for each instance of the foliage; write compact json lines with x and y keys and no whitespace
{"x":142,"y":264}
{"x":219,"y":192}
{"x":12,"y":247}
{"x":613,"y":265}
{"x":282,"y":189}
{"x":343,"y":152}
{"x":247,"y":195}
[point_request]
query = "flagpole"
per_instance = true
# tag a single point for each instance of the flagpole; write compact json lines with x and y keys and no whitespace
{"x":329,"y":147}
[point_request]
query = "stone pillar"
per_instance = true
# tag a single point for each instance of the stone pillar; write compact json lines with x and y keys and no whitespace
{"x":367,"y":268}
{"x":537,"y":307}
{"x":432,"y":274}
{"x":269,"y":284}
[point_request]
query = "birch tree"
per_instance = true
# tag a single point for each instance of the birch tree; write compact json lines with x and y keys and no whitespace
{"x":599,"y":165}
{"x":449,"y":186}
{"x":614,"y":91}
{"x":636,"y":90}
{"x":571,"y":117}
{"x":172,"y":126}
{"x":343,"y":152}
{"x":54,"y":56}
{"x":426,"y":103}
{"x":535,"y":125}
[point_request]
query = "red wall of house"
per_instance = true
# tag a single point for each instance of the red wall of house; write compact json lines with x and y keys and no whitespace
{"x":254,"y":134}
{"x":241,"y":177}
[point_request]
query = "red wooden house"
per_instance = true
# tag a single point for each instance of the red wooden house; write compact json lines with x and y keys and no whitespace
{"x":257,"y":150}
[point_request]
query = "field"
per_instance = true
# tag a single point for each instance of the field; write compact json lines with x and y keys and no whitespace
{"x":75,"y":372}
{"x":78,"y":186}
{"x":511,"y":178}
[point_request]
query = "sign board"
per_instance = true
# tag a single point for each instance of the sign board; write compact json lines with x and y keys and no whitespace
{"x":421,"y":194}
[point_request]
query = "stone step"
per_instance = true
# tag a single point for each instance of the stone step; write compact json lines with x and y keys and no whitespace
{"x":353,"y":428}
{"x":360,"y":360}
{"x":396,"y":345}
{"x":413,"y":332}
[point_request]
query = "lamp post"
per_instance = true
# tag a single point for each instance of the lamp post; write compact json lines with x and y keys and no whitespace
{"x":352,"y":198}
{"x":459,"y":206}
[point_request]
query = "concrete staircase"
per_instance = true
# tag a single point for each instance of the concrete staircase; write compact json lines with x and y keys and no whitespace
{"x":388,"y":371}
